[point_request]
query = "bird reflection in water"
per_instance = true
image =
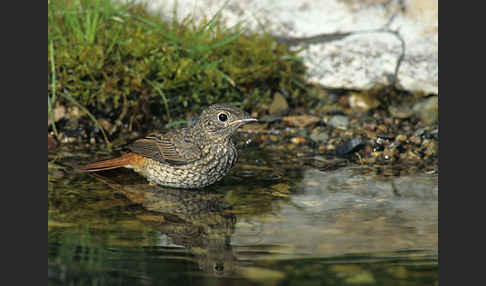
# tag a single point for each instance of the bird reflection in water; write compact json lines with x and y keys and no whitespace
{"x":199,"y":220}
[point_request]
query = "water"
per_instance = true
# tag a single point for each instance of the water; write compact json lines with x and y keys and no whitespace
{"x":274,"y":220}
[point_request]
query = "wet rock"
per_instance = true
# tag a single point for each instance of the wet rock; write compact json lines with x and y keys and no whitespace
{"x":279,"y":105}
{"x":349,"y":147}
{"x":362,"y":102}
{"x":401,"y":111}
{"x":339,"y":121}
{"x":428,"y":109}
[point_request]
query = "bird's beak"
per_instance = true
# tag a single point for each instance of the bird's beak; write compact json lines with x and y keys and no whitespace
{"x":243,"y":121}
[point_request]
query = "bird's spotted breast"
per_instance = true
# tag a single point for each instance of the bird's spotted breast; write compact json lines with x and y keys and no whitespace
{"x":211,"y":168}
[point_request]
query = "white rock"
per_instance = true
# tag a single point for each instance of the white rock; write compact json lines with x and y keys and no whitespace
{"x":365,"y":58}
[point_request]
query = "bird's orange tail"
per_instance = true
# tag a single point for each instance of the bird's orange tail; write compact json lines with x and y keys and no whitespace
{"x":126,"y":160}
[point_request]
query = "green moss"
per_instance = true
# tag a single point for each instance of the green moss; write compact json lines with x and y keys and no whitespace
{"x":113,"y":58}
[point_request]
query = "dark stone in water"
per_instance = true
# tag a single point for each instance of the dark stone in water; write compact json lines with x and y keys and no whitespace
{"x":349,"y":147}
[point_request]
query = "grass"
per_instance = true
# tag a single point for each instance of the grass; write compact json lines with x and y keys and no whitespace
{"x":51,"y":100}
{"x":121,"y":63}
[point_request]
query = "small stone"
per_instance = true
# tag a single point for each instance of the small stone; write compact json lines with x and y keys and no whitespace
{"x":320,"y":137}
{"x":435,"y":134}
{"x":382,"y":128}
{"x":401,"y":138}
{"x":298,"y":140}
{"x":428,"y":109}
{"x":389,"y":154}
{"x":368,"y":160}
{"x":431,"y":147}
{"x":412,"y":156}
{"x":300,"y":121}
{"x":105,"y":124}
{"x":339,"y":121}
{"x":402,"y":111}
{"x":415,"y":139}
{"x":59,"y":113}
{"x":370,"y":126}
{"x":273,"y":138}
{"x":419,"y":132}
{"x":349,"y":147}
{"x":363,"y":102}
{"x":330,"y":147}
{"x":343,"y":101}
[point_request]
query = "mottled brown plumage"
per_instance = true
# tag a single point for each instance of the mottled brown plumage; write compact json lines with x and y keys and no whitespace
{"x":191,"y":157}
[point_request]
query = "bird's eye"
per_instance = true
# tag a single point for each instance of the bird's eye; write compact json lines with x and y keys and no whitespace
{"x":222,"y":117}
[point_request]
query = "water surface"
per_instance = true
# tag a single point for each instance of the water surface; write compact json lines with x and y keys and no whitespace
{"x":275,"y":220}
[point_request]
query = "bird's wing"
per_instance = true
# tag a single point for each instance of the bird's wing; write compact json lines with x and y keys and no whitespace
{"x":173,"y":147}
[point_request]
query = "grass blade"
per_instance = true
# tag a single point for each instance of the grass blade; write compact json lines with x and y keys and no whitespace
{"x":51,"y":101}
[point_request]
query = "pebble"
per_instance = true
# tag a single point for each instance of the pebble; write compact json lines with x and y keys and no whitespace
{"x":428,"y":109}
{"x":339,"y":121}
{"x":401,"y":111}
{"x":363,"y":102}
{"x":389,"y":154}
{"x":320,"y":137}
{"x":415,"y":139}
{"x":298,"y":140}
{"x":431,"y":147}
{"x":401,"y":138}
{"x":300,"y":121}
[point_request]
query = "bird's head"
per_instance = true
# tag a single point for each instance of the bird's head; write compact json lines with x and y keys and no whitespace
{"x":220,"y":121}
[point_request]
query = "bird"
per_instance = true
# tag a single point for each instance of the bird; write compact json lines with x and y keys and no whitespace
{"x":188,"y":158}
